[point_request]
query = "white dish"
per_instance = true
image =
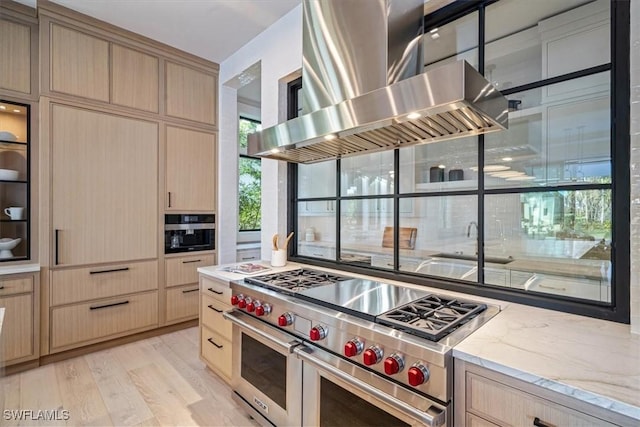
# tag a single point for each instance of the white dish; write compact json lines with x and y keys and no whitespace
{"x":7,"y":136}
{"x":6,"y":244}
{"x":8,"y":175}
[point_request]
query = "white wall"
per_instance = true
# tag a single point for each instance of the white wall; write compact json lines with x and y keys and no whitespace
{"x":279,"y":49}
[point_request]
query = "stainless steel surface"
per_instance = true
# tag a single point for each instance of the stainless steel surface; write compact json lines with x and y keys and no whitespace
{"x":363,"y":296}
{"x":282,"y":343}
{"x":385,"y":395}
{"x":347,"y":107}
{"x":205,"y":226}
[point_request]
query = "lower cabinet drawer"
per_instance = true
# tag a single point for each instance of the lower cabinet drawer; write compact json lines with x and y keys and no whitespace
{"x":504,"y":405}
{"x":184,"y":270}
{"x":88,"y":283}
{"x":95,"y":321}
{"x":211,"y":310}
{"x":182,"y":303}
{"x":16,"y":338}
{"x":216,"y":289}
{"x":243,"y":255}
{"x":16,"y":286}
{"x":216,"y":351}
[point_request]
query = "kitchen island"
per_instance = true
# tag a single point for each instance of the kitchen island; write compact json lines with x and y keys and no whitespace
{"x":591,"y":362}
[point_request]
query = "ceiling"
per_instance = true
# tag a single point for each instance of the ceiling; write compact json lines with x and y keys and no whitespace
{"x":211,"y":29}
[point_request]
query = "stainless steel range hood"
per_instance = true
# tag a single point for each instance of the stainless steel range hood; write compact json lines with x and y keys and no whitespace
{"x":364,"y":89}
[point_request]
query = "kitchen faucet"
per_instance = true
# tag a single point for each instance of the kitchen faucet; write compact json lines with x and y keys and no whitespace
{"x":469,"y":233}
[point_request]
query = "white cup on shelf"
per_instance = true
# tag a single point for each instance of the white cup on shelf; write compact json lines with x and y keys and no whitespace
{"x":14,"y":212}
{"x":278,"y":258}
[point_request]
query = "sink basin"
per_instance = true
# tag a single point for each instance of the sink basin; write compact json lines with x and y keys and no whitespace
{"x":491,"y":259}
{"x":445,"y":268}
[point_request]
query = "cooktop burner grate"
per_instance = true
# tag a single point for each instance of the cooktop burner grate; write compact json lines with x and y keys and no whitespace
{"x":431,"y":317}
{"x":296,"y":280}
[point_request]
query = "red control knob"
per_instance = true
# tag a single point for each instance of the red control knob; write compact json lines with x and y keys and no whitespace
{"x":353,"y":347}
{"x":242,"y":303}
{"x":285,"y":319}
{"x":393,"y":364}
{"x":259,"y":310}
{"x":251,"y":306}
{"x":372,"y":355}
{"x":418,"y":374}
{"x":235,"y":299}
{"x":317,"y":333}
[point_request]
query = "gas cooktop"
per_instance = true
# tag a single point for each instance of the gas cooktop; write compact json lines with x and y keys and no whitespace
{"x":296,"y":280}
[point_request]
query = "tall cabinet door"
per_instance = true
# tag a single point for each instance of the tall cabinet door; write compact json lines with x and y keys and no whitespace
{"x":105,"y":187}
{"x":191,"y":170}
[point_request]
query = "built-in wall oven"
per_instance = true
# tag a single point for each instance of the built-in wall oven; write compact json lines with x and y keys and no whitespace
{"x":189,"y":232}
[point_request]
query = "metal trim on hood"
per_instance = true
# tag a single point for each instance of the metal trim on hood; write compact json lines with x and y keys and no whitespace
{"x":452,"y":101}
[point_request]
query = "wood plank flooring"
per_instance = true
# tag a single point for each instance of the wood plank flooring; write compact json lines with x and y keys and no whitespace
{"x":159,"y":381}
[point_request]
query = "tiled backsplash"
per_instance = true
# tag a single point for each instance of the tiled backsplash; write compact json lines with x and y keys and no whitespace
{"x":635,"y":167}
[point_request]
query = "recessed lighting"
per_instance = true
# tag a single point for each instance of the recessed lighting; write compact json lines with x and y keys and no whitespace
{"x":330,"y":136}
{"x":507,"y":159}
{"x":435,"y":36}
{"x":2,"y":107}
{"x":435,"y":30}
{"x":442,"y":166}
{"x":412,"y":116}
{"x":16,"y":111}
{"x":275,"y":150}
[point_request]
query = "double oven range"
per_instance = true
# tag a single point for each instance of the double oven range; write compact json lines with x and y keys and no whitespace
{"x":317,"y":349}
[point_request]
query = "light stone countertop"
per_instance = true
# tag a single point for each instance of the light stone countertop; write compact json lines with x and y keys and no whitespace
{"x":217,"y":272}
{"x":592,"y":360}
{"x":19,"y":268}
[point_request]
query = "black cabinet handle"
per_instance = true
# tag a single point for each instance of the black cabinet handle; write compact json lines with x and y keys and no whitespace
{"x":97,"y":307}
{"x":109,"y":271}
{"x":247,"y":258}
{"x":212,"y":342}
{"x":539,"y":423}
{"x":169,"y":198}
{"x":190,"y":290}
{"x":188,"y":262}
{"x":56,"y":246}
{"x":1,"y":288}
{"x":215,"y":292}
{"x":214,"y":309}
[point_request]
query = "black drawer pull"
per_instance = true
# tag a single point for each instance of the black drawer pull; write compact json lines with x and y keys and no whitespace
{"x":57,"y":233}
{"x":212,"y":342}
{"x":189,"y":290}
{"x":1,"y":288}
{"x":248,"y":258}
{"x":214,"y":309}
{"x":539,"y":423}
{"x":188,"y":262}
{"x":215,"y":292}
{"x":109,"y":271}
{"x":97,"y":307}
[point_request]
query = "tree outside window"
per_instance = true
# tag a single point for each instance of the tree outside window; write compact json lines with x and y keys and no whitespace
{"x":249,"y":181}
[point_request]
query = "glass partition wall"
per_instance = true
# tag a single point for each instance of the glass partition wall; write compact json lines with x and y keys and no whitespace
{"x":534,"y":214}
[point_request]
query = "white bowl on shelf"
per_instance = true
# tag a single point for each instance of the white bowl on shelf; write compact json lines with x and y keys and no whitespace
{"x":8,"y":175}
{"x":7,"y":136}
{"x":6,"y":245}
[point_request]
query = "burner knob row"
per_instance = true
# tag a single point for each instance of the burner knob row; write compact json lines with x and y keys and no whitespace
{"x":251,"y":305}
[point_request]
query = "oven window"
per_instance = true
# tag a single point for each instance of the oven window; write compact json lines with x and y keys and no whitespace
{"x":338,"y":407}
{"x":265,"y":369}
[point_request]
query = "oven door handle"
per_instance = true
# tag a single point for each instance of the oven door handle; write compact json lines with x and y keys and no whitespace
{"x":233,"y":317}
{"x":434,"y":419}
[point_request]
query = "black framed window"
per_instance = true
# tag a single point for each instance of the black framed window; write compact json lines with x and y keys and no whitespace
{"x":249,"y":179}
{"x":537,"y":214}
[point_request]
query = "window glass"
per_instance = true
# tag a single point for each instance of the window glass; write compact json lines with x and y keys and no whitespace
{"x":317,"y":179}
{"x":317,"y":229}
{"x":367,"y":174}
{"x":366,"y":230}
{"x":451,"y":42}
{"x":440,"y":166}
{"x":249,"y":179}
{"x":559,"y":139}
{"x":555,"y":242}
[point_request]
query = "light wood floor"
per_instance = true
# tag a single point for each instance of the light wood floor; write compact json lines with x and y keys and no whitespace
{"x":157,"y":381}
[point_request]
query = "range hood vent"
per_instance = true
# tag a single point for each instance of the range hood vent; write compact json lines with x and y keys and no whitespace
{"x":361,"y":82}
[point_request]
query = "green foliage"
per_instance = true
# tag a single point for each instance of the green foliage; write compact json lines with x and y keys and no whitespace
{"x":249,"y":181}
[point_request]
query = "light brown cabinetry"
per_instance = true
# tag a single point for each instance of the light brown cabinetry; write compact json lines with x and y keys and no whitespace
{"x":79,"y":63}
{"x":191,"y":93}
{"x":104,"y":192}
{"x":488,"y":398}
{"x":15,"y":49}
{"x":134,"y":78}
{"x":190,"y":170}
{"x":215,"y":331}
{"x":181,"y":281}
{"x":19,"y":341}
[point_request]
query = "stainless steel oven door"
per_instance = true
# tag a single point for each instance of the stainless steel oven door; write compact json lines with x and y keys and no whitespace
{"x":337,"y":392}
{"x":266,"y":376}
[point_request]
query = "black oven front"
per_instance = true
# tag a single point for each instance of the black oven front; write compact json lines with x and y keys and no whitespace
{"x":189,"y":232}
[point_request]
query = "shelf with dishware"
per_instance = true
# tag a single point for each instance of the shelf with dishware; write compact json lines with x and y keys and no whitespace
{"x":14,"y":181}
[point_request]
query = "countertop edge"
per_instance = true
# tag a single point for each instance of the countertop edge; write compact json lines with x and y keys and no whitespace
{"x":595,"y":399}
{"x":20,"y":268}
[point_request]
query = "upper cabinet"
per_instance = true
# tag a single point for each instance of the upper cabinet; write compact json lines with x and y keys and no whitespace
{"x":18,"y":50}
{"x":191,"y":93}
{"x":134,"y":79}
{"x":79,"y":64}
{"x":190,"y":170}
